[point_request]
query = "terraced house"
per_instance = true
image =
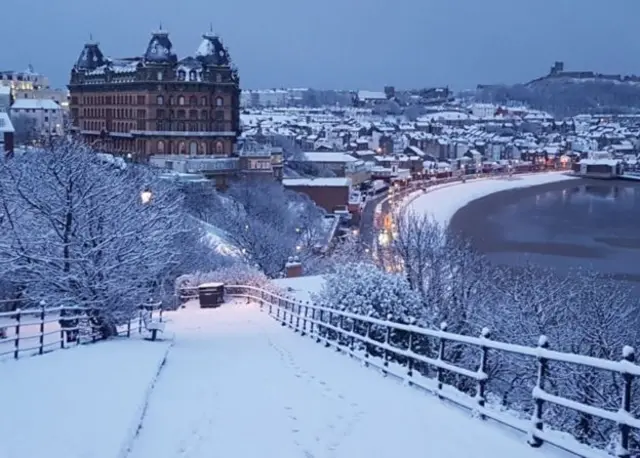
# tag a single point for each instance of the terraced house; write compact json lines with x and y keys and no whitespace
{"x":157,"y":104}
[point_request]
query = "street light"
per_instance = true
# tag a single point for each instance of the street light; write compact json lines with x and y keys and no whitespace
{"x":145,"y":196}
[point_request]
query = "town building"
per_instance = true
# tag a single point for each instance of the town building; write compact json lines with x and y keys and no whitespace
{"x":157,"y":104}
{"x":27,"y":80}
{"x":31,"y":85}
{"x":43,"y":116}
{"x":5,"y":99}
{"x":6,"y":135}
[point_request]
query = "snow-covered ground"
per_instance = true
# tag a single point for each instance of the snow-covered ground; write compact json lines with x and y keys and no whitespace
{"x":301,"y":288}
{"x":443,"y":203}
{"x":237,"y":384}
{"x":84,"y":402}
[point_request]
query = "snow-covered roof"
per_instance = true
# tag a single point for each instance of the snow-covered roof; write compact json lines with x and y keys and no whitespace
{"x":320,"y":156}
{"x":321,"y":182}
{"x":5,"y":123}
{"x":371,"y":95}
{"x":5,"y":90}
{"x":35,"y":104}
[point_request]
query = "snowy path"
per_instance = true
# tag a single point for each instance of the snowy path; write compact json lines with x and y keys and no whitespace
{"x":236,"y":384}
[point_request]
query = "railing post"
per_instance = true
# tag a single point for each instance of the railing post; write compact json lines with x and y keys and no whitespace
{"x":278,"y":311}
{"x":339,"y":335}
{"x":140,"y":312}
{"x":284,"y":311}
{"x":303,"y":331}
{"x":292,"y":312}
{"x":318,"y":326}
{"x":41,"y":337}
{"x":535,"y":441}
{"x":482,"y":372}
{"x":441,"y":348}
{"x":129,"y":327}
{"x":298,"y":317}
{"x":387,"y":341}
{"x":352,"y":339}
{"x":412,"y":321}
{"x":16,"y":351}
{"x":62,"y":336}
{"x":366,"y":344}
{"x":628,"y":357}
{"x":327,"y":330}
{"x":312,"y":321}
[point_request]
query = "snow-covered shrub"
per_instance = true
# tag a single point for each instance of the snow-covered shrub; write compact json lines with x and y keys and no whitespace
{"x":236,"y":274}
{"x":363,"y":289}
{"x":366,"y":290}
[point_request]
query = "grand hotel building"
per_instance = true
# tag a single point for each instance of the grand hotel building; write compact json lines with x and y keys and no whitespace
{"x":158,"y":107}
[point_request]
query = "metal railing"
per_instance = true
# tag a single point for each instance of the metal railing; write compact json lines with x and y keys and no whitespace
{"x":35,"y":331}
{"x":377,"y":343}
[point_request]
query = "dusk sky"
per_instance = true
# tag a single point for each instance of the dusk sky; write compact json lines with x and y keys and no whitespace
{"x":340,"y":44}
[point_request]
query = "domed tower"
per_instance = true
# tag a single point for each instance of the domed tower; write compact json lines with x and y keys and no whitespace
{"x":160,"y":49}
{"x":90,"y":58}
{"x":212,"y":52}
{"x":218,"y":69}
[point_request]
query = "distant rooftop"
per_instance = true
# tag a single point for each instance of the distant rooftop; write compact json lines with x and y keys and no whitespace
{"x":5,"y":123}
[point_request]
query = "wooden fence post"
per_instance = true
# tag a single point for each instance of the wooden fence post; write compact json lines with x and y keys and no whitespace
{"x":441,"y":348}
{"x":140,"y":312}
{"x":628,"y":357}
{"x":129,"y":327}
{"x":482,"y":369}
{"x":41,"y":337}
{"x":538,"y":424}
{"x":16,"y":351}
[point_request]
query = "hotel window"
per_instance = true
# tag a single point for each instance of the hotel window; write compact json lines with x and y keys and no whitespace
{"x":219,"y":101}
{"x":219,"y":148}
{"x":181,"y":100}
{"x":159,"y":100}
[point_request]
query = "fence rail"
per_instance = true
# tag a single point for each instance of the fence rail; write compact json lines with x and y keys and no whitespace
{"x":366,"y":338}
{"x":35,"y":331}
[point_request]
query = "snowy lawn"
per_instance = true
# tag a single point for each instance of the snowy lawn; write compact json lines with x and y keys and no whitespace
{"x":443,"y":203}
{"x":237,"y":384}
{"x":301,"y":289}
{"x":84,"y":402}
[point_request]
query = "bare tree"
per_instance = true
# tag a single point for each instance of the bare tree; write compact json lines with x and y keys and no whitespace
{"x":268,"y":224}
{"x":76,"y":232}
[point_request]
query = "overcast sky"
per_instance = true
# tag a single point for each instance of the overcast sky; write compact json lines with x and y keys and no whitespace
{"x":339,"y":44}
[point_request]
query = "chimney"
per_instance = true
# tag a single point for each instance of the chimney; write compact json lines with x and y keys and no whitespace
{"x":293,"y":267}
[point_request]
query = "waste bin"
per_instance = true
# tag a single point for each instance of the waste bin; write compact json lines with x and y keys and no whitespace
{"x":211,"y":295}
